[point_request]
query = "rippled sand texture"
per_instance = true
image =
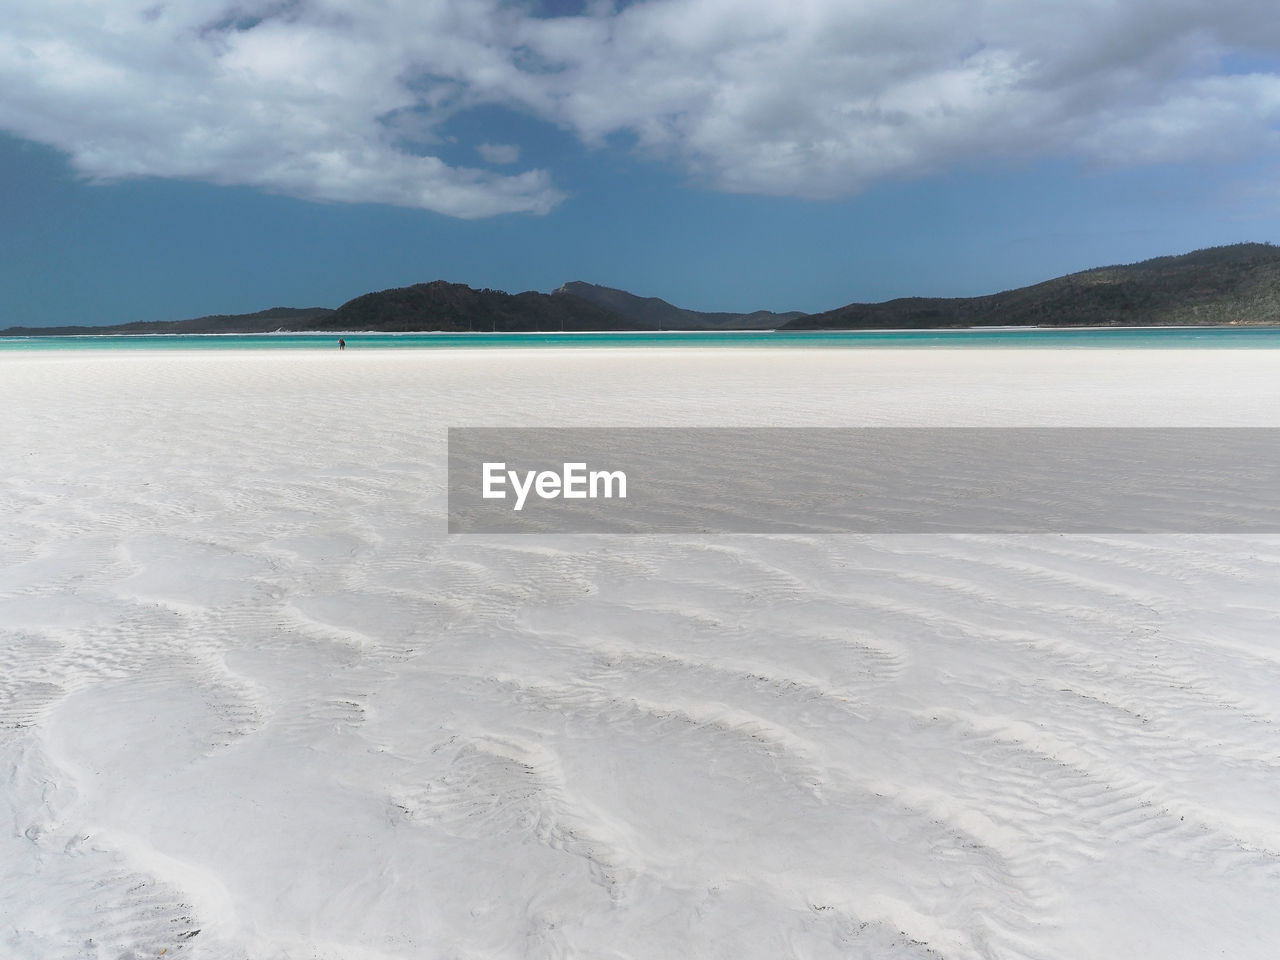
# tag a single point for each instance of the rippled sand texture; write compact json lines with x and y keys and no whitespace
{"x":255,"y":705}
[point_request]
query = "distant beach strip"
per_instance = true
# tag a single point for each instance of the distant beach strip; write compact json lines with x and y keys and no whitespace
{"x":1252,"y":338}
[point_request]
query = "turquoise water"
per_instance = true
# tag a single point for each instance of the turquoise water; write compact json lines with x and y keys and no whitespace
{"x":1238,"y":337}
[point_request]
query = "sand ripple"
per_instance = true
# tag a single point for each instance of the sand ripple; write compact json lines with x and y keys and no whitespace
{"x":254,"y":705}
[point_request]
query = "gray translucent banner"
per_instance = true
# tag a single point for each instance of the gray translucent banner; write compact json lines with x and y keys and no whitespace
{"x":872,"y":480}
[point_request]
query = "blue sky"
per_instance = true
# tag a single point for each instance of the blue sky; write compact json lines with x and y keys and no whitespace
{"x":161,"y":161}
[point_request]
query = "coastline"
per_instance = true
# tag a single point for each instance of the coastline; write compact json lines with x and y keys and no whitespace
{"x":981,"y":328}
{"x":1218,"y":336}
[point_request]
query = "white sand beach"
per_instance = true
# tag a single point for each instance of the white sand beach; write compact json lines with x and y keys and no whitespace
{"x":255,"y":704}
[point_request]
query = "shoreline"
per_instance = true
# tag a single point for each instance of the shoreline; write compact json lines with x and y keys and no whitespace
{"x":976,"y":338}
{"x":830,"y":331}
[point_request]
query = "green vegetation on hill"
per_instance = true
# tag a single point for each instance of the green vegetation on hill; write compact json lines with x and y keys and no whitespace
{"x":264,"y":321}
{"x":437,"y":306}
{"x":457,"y":307}
{"x":1239,"y":284}
{"x":655,"y":314}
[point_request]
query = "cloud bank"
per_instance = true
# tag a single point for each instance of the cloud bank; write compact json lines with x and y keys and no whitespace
{"x":341,"y":100}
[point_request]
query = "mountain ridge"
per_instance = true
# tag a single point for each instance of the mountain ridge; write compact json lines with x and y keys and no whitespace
{"x":657,"y":314}
{"x":1238,"y":284}
{"x":1217,"y":286}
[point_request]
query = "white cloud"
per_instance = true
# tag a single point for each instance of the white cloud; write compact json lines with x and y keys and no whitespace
{"x":310,"y":100}
{"x":499,"y":153}
{"x":345,"y":101}
{"x":823,"y":97}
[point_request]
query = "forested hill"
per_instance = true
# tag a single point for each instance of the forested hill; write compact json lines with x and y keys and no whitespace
{"x":656,"y":314}
{"x":264,"y":321}
{"x":424,"y":306}
{"x":1238,"y":284}
{"x":457,"y":307}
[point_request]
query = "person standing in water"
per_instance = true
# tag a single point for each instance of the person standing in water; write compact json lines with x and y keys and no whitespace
{"x":342,"y":344}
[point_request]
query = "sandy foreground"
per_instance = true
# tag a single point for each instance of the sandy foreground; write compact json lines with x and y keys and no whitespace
{"x":256,"y":705}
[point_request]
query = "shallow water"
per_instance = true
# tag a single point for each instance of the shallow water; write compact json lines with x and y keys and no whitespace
{"x":1146,"y":338}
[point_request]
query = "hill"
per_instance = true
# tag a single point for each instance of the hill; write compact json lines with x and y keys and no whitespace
{"x":1238,"y":284}
{"x":458,"y":308}
{"x":436,"y":306}
{"x":264,"y":321}
{"x":655,"y":314}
